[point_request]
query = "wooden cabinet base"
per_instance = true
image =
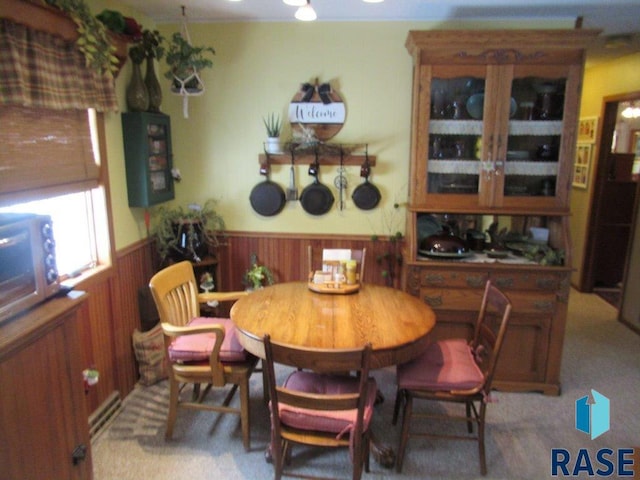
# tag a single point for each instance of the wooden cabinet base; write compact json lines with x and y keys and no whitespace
{"x":530,"y":359}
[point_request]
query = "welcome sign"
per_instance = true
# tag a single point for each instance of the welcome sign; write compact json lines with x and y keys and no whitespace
{"x":318,"y":109}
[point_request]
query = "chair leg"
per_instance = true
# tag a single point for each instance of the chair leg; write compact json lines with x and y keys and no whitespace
{"x":265,"y":382}
{"x":469,"y":421}
{"x":396,"y":408}
{"x":174,"y":392}
{"x":481,"y":451}
{"x":404,"y":435}
{"x":245,"y":417}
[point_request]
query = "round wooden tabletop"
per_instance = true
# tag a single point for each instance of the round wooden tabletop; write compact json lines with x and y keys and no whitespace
{"x":396,"y":323}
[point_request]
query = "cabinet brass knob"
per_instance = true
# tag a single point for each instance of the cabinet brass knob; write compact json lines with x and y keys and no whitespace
{"x":433,"y":301}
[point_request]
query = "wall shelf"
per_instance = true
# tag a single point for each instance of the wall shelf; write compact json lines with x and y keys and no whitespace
{"x":328,"y":154}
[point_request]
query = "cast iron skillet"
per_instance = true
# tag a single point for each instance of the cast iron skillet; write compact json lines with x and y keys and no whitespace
{"x":316,"y":198}
{"x":366,"y":196}
{"x":267,"y":198}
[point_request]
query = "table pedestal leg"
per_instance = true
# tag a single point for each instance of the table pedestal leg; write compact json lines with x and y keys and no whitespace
{"x":382,"y":454}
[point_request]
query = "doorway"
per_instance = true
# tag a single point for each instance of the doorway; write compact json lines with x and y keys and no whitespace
{"x":615,"y":198}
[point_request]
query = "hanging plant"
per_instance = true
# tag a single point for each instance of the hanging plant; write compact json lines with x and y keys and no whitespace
{"x":185,"y":61}
{"x":93,"y":40}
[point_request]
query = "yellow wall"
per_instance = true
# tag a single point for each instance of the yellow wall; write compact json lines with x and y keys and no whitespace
{"x":258,"y":68}
{"x":612,"y":78}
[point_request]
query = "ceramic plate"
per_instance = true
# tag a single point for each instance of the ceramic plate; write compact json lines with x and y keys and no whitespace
{"x":475,"y":105}
{"x":448,"y":255}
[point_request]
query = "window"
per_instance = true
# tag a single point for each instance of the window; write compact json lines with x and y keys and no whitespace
{"x":80,"y":223}
{"x":78,"y":220}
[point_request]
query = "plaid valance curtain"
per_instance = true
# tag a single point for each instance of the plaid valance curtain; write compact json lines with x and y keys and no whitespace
{"x":41,"y":70}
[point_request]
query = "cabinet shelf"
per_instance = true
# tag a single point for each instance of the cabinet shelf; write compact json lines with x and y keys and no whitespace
{"x":516,"y":127}
{"x":473,"y":167}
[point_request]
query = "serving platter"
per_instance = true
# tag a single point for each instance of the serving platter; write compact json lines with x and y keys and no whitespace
{"x":446,"y":255}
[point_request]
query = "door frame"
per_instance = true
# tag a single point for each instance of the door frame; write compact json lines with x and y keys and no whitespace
{"x":608,"y":114}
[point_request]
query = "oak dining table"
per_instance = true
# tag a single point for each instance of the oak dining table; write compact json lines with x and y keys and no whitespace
{"x":395,"y":323}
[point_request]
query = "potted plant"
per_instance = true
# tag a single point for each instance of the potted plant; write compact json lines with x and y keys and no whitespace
{"x":257,"y":274}
{"x":185,"y":61}
{"x":273,"y":124}
{"x":186,"y":233}
{"x":93,"y":40}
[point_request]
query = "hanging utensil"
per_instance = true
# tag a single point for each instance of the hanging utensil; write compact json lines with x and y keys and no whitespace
{"x":292,"y":191}
{"x":341,"y":181}
{"x":267,"y":198}
{"x":316,"y":199}
{"x":366,"y":196}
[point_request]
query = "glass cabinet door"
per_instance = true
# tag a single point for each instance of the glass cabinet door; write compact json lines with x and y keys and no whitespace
{"x":455,"y":135}
{"x":535,"y":134}
{"x":496,"y":136}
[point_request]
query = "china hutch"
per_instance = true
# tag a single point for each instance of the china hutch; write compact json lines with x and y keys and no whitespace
{"x":494,"y":121}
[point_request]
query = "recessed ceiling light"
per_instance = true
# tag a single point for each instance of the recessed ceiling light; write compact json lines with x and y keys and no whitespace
{"x":373,"y":1}
{"x":295,"y":3}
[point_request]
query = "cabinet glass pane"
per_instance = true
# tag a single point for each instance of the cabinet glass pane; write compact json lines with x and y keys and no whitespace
{"x":455,"y":135}
{"x":534,"y":141}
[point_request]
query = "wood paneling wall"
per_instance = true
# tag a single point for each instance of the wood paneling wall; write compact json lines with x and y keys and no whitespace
{"x":112,"y":311}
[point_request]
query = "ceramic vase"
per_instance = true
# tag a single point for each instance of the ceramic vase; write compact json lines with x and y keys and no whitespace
{"x":153,"y":86}
{"x":137,"y":94}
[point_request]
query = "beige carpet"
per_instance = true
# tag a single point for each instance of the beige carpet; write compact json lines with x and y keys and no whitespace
{"x":600,"y":353}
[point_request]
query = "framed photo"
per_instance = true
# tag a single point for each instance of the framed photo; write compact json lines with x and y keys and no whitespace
{"x":587,"y":129}
{"x":584,"y":152}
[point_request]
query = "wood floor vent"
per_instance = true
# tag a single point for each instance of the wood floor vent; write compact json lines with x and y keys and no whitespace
{"x":103,"y":416}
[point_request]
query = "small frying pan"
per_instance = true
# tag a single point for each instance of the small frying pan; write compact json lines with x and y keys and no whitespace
{"x":366,"y":196}
{"x":267,"y":198}
{"x":316,"y":198}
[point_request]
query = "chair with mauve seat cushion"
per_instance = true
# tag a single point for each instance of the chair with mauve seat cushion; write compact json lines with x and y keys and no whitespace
{"x":201,"y":350}
{"x":455,"y":370}
{"x":317,"y":406}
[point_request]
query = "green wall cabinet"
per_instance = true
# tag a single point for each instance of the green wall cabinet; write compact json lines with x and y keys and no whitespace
{"x":148,"y":158}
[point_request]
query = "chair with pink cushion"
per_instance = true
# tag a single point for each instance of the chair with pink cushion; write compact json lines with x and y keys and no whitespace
{"x":317,"y":406}
{"x":455,"y":370}
{"x":201,"y":350}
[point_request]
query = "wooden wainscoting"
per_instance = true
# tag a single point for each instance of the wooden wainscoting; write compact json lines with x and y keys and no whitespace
{"x":286,"y":256}
{"x":111,"y":315}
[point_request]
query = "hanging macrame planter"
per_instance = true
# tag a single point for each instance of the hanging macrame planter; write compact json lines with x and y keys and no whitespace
{"x":188,"y":83}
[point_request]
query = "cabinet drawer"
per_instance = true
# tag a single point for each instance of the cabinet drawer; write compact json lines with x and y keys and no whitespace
{"x":549,"y":282}
{"x":532,"y":302}
{"x":452,"y":298}
{"x":453,"y":278}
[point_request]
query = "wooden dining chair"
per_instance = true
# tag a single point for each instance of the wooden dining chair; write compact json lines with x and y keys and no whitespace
{"x":455,"y":370}
{"x":358,"y":255}
{"x":201,"y":350}
{"x":316,"y":406}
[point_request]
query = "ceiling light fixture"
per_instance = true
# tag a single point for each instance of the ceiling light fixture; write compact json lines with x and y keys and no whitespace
{"x":373,"y":1}
{"x":306,"y":13}
{"x":295,"y":3}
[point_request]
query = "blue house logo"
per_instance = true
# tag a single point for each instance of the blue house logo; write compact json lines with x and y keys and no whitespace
{"x":593,"y":417}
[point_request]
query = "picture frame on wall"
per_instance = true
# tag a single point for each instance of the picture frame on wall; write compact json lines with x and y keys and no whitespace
{"x":587,"y":129}
{"x":584,"y":154}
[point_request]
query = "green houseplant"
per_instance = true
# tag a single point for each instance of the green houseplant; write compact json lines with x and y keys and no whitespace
{"x":256,"y":276}
{"x":185,"y":61}
{"x":273,"y":124}
{"x":93,"y":40}
{"x":187,"y":233}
